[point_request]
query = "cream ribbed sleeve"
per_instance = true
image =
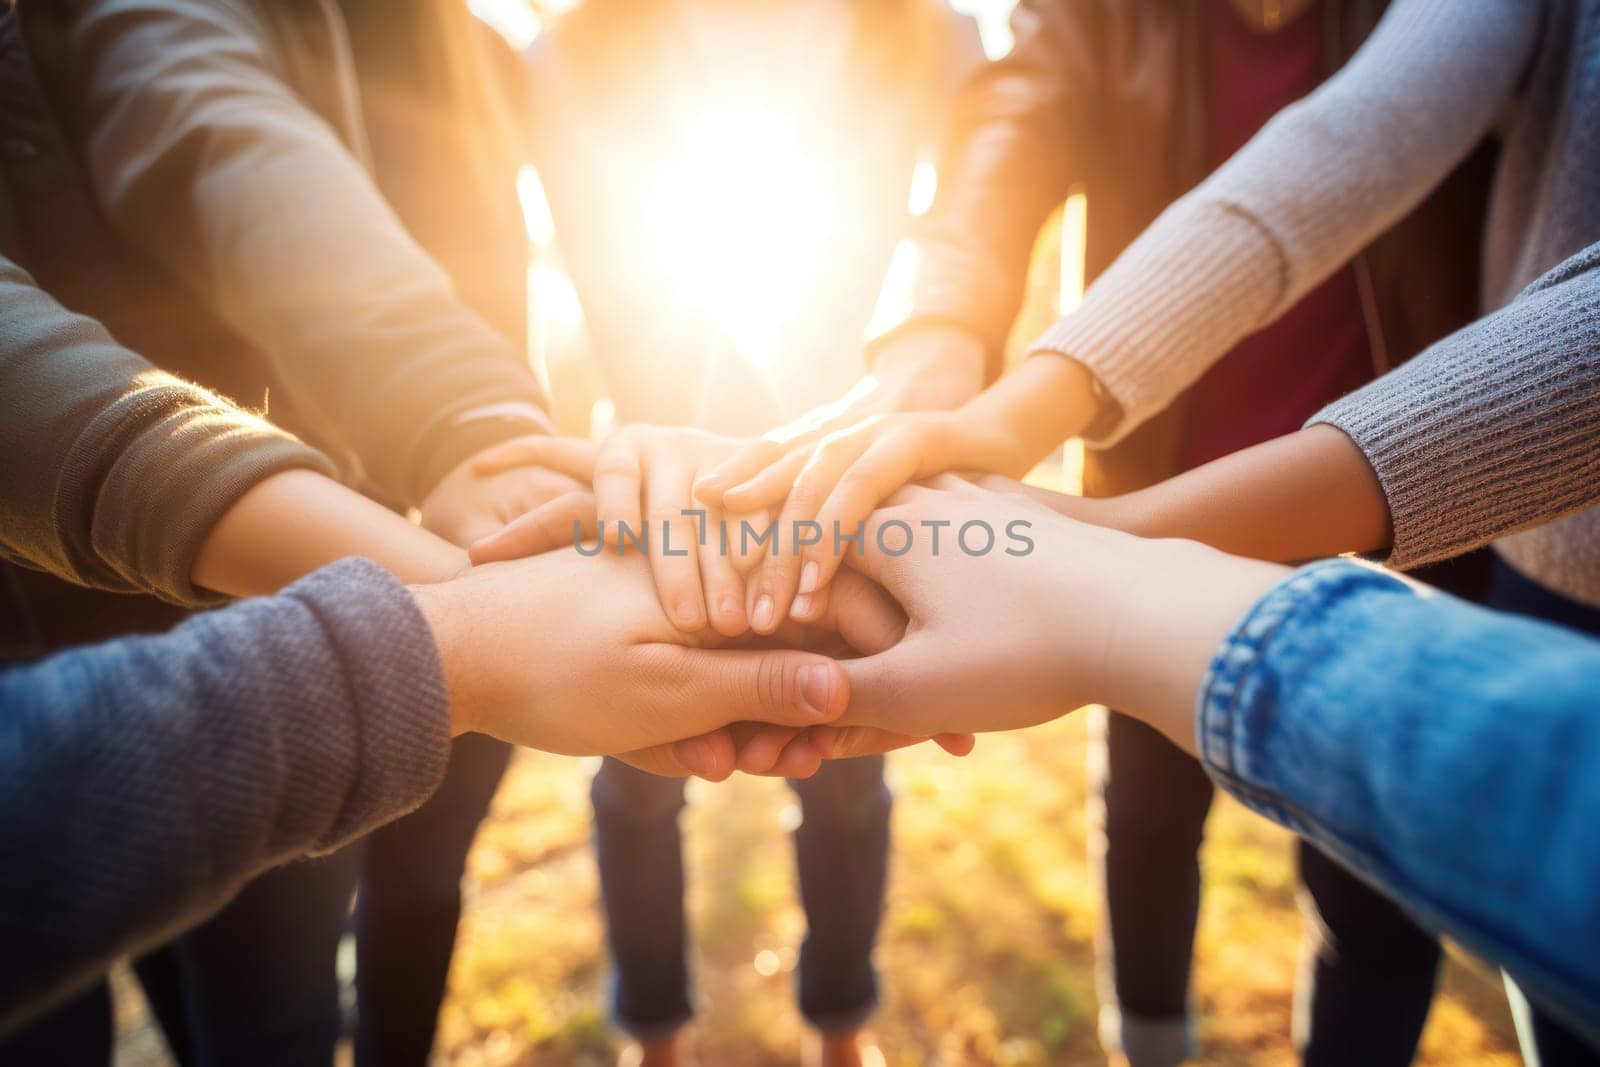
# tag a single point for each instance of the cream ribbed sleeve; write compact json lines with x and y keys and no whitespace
{"x":1316,"y":185}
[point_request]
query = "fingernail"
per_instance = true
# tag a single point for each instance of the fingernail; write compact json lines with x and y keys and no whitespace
{"x":801,"y":605}
{"x":687,"y":612}
{"x":762,"y":618}
{"x":808,"y":577}
{"x":729,"y":606}
{"x":816,"y":687}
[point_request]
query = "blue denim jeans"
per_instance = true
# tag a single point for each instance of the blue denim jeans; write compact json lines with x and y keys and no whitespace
{"x":1443,"y":752}
{"x":842,"y":854}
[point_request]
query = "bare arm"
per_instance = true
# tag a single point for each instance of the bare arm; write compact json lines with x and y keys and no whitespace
{"x":296,"y":521}
{"x":1302,"y":496}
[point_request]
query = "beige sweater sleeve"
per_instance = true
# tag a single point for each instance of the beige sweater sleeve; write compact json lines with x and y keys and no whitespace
{"x":1319,"y":182}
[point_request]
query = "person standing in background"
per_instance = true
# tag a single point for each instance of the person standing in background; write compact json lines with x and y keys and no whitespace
{"x":727,"y":182}
{"x":315,"y":201}
{"x":1134,"y":104}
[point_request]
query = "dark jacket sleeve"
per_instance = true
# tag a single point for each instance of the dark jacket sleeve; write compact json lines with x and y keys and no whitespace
{"x":203,"y":155}
{"x":143,"y":781}
{"x":1007,"y":159}
{"x":113,"y":472}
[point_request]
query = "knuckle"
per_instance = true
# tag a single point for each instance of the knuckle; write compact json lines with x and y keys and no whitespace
{"x":771,"y":682}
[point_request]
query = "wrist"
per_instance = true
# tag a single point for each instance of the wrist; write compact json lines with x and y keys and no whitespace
{"x":930,"y":367}
{"x":454,"y":610}
{"x":1178,"y":602}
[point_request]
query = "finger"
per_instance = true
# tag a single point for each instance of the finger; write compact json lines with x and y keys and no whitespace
{"x":745,"y":548}
{"x":760,"y":749}
{"x":740,"y":467}
{"x":723,"y":585}
{"x":956,"y":744}
{"x":767,"y":487}
{"x":566,"y":520}
{"x":618,"y":489}
{"x":704,"y":689}
{"x":885,"y":466}
{"x":710,"y":756}
{"x":799,"y":759}
{"x":862,"y":613}
{"x":885,"y":532}
{"x":675,"y":553}
{"x":779,"y":577}
{"x":851,"y":742}
{"x":896,"y":690}
{"x":574,"y":456}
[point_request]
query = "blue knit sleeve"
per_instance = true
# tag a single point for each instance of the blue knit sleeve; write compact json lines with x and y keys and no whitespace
{"x":144,"y":780}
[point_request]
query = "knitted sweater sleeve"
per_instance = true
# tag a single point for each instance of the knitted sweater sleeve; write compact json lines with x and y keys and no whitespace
{"x":1319,"y":182}
{"x":145,"y":780}
{"x":1493,"y":429}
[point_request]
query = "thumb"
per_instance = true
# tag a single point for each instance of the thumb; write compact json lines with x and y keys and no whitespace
{"x":890,"y":692}
{"x":720,"y":686}
{"x":566,"y":520}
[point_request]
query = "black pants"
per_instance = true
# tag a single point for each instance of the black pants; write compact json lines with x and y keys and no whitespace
{"x":1371,"y":970}
{"x":255,"y":984}
{"x":1546,"y":1042}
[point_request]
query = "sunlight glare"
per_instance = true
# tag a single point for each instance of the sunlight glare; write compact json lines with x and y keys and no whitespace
{"x":730,"y":257}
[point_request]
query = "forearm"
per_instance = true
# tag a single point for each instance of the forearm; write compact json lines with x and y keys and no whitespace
{"x":295,"y":522}
{"x":1176,"y":601}
{"x":145,"y":780}
{"x":1303,"y":496}
{"x":1036,"y":408}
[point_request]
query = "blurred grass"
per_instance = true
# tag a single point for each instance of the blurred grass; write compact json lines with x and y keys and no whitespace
{"x":986,"y":948}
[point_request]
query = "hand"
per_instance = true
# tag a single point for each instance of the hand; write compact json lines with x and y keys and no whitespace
{"x":862,"y":619}
{"x":573,"y":655}
{"x":643,"y":482}
{"x":844,"y":479}
{"x":480,"y":496}
{"x":1085,"y":614}
{"x":923,"y":368}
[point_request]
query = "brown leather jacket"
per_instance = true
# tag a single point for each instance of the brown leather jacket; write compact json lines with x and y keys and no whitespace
{"x":1109,"y":96}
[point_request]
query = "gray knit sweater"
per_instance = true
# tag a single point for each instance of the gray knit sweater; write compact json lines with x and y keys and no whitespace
{"x":1492,"y":430}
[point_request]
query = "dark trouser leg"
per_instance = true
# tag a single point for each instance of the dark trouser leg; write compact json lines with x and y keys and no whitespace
{"x":1155,"y":800}
{"x":258,"y":977}
{"x":640,"y":853}
{"x":410,"y":904}
{"x":74,"y":1034}
{"x":1369,"y":972}
{"x":1546,"y":1042}
{"x":842,"y":852}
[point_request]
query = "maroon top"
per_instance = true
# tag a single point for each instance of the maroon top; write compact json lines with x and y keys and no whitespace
{"x":1277,"y":378}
